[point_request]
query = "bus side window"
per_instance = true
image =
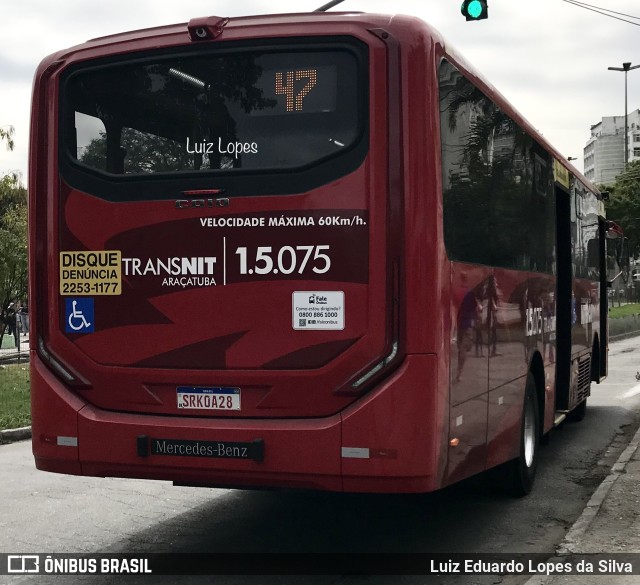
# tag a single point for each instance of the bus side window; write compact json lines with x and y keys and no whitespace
{"x":497,"y":190}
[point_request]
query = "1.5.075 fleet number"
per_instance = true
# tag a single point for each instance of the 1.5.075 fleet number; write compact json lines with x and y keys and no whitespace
{"x":285,"y":260}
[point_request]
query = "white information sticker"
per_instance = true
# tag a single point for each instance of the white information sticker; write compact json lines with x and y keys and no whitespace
{"x":318,"y":310}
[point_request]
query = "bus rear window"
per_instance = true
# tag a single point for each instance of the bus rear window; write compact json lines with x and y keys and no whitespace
{"x":214,"y":112}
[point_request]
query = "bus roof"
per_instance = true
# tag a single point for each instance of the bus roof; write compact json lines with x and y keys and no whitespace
{"x":316,"y":23}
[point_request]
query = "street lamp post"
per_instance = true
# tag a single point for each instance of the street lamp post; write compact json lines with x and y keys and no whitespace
{"x":626,"y":67}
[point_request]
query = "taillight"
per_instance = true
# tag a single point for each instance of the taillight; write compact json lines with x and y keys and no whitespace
{"x":377,"y":368}
{"x":64,"y":372}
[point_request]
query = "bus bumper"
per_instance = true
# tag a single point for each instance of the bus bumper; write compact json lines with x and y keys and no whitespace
{"x":387,"y":441}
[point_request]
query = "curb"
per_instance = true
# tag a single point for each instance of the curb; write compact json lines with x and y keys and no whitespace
{"x":623,"y":336}
{"x":12,"y":435}
{"x":577,"y":532}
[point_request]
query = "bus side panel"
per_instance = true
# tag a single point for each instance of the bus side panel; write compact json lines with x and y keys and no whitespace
{"x":468,"y":439}
{"x":505,"y":418}
{"x":524,"y":333}
{"x":469,"y":369}
{"x":393,"y":439}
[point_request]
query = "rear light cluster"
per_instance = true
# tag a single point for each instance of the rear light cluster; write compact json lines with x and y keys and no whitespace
{"x":377,"y":368}
{"x":63,"y":372}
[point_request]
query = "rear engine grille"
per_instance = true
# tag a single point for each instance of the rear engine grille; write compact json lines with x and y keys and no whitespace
{"x":584,"y":379}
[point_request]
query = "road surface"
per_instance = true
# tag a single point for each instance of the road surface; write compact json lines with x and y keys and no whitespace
{"x":48,"y":513}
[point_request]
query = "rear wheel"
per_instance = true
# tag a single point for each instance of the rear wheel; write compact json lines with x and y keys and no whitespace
{"x":521,"y":471}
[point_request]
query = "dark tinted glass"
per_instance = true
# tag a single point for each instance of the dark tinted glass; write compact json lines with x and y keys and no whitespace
{"x":584,"y":232}
{"x":207,"y":112}
{"x":498,"y":193}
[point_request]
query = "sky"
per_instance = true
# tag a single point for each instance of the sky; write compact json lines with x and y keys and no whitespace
{"x":548,"y":57}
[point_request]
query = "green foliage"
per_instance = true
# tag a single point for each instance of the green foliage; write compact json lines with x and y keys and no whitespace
{"x":144,"y":153}
{"x":624,"y":204}
{"x":14,"y":396}
{"x":13,"y":242}
{"x":6,"y":134}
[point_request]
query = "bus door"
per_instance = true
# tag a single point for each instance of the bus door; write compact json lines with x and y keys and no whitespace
{"x":564,"y":297}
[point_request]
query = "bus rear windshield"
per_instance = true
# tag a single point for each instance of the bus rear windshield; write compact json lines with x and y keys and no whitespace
{"x":218,"y":111}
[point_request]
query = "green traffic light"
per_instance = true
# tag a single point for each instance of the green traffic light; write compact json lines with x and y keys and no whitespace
{"x":474,"y":9}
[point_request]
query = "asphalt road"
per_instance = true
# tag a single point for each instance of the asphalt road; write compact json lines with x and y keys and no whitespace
{"x":48,"y":513}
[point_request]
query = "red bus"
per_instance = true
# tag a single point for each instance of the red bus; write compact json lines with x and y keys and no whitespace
{"x":308,"y":250}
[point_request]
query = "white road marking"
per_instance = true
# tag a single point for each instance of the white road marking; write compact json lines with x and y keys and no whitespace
{"x":633,"y":392}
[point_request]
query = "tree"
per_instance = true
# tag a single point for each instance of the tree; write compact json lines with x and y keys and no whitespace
{"x":13,"y":237}
{"x":6,"y":134}
{"x":13,"y":243}
{"x":145,"y":153}
{"x":624,"y":204}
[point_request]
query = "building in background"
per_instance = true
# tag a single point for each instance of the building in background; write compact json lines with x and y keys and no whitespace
{"x":604,"y":152}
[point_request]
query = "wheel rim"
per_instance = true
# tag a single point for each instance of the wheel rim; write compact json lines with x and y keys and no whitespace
{"x":529,"y":433}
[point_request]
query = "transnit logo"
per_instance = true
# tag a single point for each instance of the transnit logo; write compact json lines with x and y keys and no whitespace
{"x":175,"y":271}
{"x":194,"y":266}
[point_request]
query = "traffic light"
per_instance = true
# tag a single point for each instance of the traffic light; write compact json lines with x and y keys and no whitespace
{"x":475,"y":9}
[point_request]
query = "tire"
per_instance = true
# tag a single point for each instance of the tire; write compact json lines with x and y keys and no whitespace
{"x":521,"y":472}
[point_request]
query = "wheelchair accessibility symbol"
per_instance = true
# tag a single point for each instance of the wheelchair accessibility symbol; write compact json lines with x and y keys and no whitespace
{"x":79,"y":316}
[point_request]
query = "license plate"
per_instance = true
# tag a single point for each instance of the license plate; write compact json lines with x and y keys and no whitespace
{"x":208,"y":398}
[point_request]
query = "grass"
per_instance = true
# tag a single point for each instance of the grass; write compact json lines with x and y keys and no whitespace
{"x":8,"y":342}
{"x":15,"y":396}
{"x":624,"y":311}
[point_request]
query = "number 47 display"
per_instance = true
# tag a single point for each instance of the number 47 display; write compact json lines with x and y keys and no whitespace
{"x":286,"y":85}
